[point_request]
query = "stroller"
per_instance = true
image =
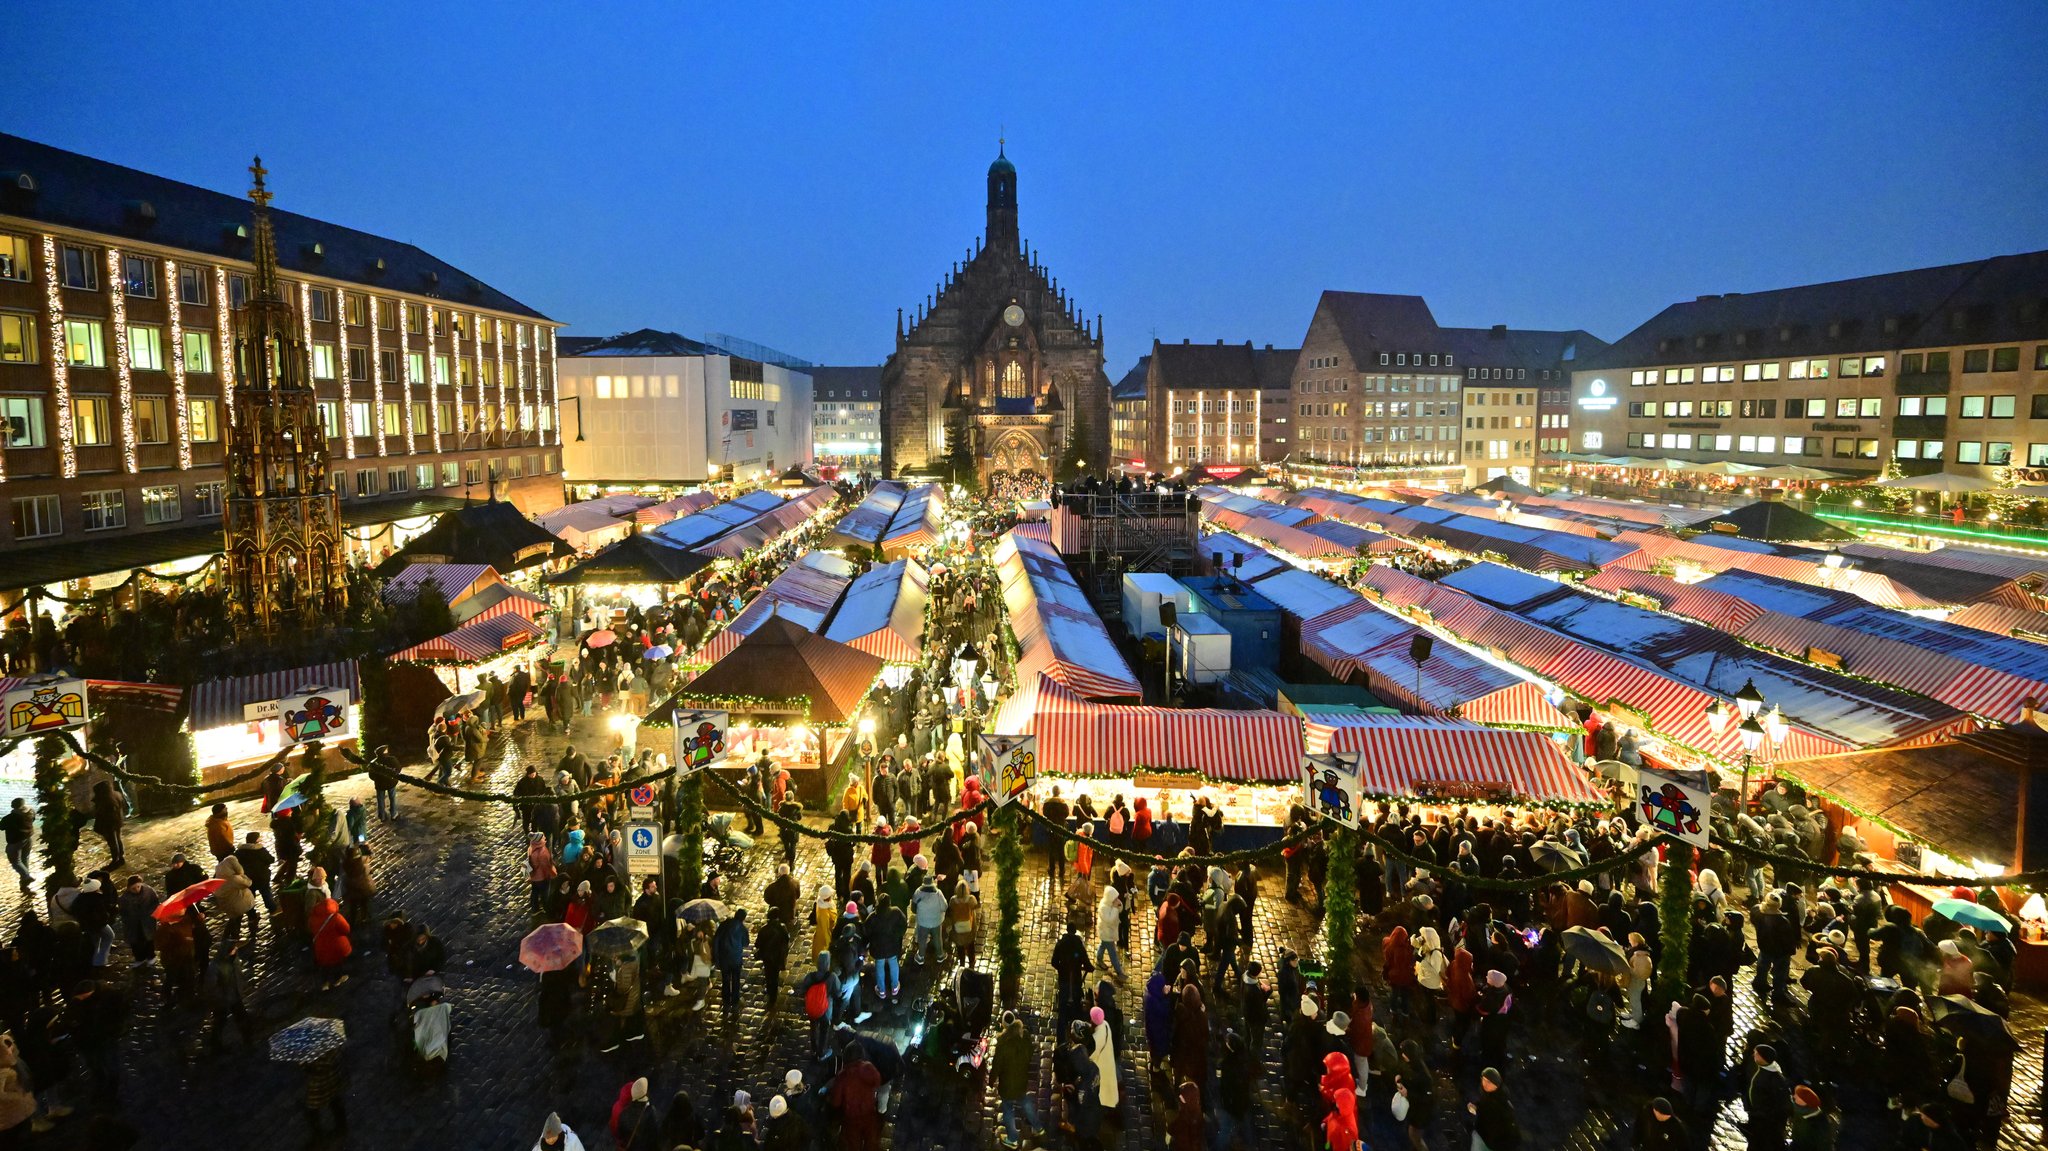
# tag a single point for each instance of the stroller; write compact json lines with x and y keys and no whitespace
{"x":429,"y":1019}
{"x":955,"y":1030}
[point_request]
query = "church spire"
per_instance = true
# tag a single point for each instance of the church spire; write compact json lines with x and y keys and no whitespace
{"x":265,"y":237}
{"x":1002,"y":201}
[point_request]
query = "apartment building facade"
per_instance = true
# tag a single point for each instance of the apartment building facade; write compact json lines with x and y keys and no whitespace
{"x":846,"y":416}
{"x":1205,"y":404}
{"x":1940,"y":369}
{"x":117,"y":292}
{"x":1509,"y":372}
{"x":1129,"y":429}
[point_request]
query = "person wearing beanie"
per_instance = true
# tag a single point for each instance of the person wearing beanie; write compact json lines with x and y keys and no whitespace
{"x":786,"y":1129}
{"x":1659,"y":1129}
{"x":1301,"y":1052}
{"x":1767,"y":1099}
{"x":556,"y":1135}
{"x":1813,"y":1127}
{"x":635,"y":1126}
{"x":1011,"y":1066}
{"x":1493,"y":1118}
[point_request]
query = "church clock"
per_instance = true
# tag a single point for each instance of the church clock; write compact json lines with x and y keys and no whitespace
{"x":1013,"y":316}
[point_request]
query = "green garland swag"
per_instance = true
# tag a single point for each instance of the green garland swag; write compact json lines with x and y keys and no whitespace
{"x":151,"y":781}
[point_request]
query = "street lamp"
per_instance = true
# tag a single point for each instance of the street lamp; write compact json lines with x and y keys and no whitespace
{"x":1752,"y":731}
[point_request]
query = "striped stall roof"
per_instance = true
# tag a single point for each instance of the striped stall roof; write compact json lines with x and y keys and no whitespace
{"x":803,"y":594}
{"x":870,"y":518}
{"x":2029,"y":623}
{"x":1396,"y":754}
{"x":1077,"y":737}
{"x":1058,"y":632}
{"x":1258,"y":562}
{"x":883,"y":612}
{"x":1452,"y":681}
{"x":481,"y":639}
{"x":916,"y":523}
{"x":1693,"y":601}
{"x":219,"y":702}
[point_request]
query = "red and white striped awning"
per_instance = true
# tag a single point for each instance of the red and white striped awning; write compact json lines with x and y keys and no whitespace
{"x":1452,"y":681}
{"x":804,"y":594}
{"x":1714,"y":608}
{"x":883,"y":612}
{"x":219,"y":702}
{"x":1398,"y":757}
{"x":477,"y":641}
{"x":1078,"y":737}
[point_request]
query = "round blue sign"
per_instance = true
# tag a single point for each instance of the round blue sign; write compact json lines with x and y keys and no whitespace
{"x":643,"y":837}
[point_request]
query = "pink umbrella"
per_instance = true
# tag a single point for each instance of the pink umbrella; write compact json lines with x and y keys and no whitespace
{"x":174,"y":908}
{"x":550,"y":947}
{"x":599,"y":639}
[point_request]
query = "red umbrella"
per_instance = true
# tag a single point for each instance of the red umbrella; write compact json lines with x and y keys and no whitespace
{"x":599,"y":639}
{"x":550,"y":947}
{"x":174,"y":908}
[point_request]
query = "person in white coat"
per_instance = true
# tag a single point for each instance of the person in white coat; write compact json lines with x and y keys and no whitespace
{"x":1109,"y":919}
{"x":1102,"y":1053}
{"x":555,"y":1135}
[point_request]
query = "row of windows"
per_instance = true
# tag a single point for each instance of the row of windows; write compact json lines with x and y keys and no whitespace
{"x":1496,"y":449}
{"x":1206,"y":407}
{"x":1843,"y":408}
{"x":38,"y":517}
{"x":92,"y":422}
{"x":1478,"y":399}
{"x":85,"y":344}
{"x":1403,"y":359}
{"x":1499,"y":423}
{"x":1216,"y":428}
{"x":1975,"y":360}
{"x":1509,"y":373}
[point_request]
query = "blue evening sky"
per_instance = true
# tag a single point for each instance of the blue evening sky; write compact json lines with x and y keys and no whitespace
{"x":793,"y":173}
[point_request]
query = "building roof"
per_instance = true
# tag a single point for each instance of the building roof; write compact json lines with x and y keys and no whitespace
{"x":1275,"y":367}
{"x":1132,"y":385}
{"x":781,"y":660}
{"x":846,"y":383}
{"x":1503,"y":347}
{"x":75,"y":191}
{"x":1370,"y":321}
{"x":1982,"y":301}
{"x":1962,"y":796}
{"x":493,"y":533}
{"x":1198,"y":366}
{"x":1777,"y":521}
{"x":645,"y":342}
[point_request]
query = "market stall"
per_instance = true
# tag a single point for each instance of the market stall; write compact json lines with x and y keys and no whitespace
{"x":882,"y":613}
{"x":803,"y":594}
{"x":1057,"y":629}
{"x":1411,"y":758}
{"x":233,"y":721}
{"x":493,"y":532}
{"x":772,"y":524}
{"x":591,"y":524}
{"x":792,"y":694}
{"x":917,"y":524}
{"x":869,"y":519}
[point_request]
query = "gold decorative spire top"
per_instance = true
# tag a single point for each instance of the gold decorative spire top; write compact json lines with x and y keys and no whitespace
{"x":265,"y":239}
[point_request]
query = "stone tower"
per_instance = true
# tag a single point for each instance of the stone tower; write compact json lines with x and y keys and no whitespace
{"x":997,"y":354}
{"x":282,"y":519}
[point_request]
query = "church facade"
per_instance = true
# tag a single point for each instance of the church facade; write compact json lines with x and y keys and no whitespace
{"x":999,"y":356}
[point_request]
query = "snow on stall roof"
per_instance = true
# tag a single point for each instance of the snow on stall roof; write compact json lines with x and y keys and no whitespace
{"x":1502,"y":587}
{"x":1784,"y":596}
{"x":1305,"y":595}
{"x":1158,"y":582}
{"x":1259,"y":564}
{"x":1840,"y":609}
{"x":870,"y":604}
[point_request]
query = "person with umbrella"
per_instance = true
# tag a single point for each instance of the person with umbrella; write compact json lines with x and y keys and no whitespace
{"x":331,"y":943}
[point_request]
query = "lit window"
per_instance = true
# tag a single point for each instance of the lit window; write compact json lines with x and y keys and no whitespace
{"x":203,"y":417}
{"x":1969,"y":452}
{"x":84,"y":344}
{"x":198,"y":351}
{"x":423,"y":477}
{"x":21,"y":418}
{"x":150,"y":425}
{"x":1973,"y":407}
{"x":2002,"y":407}
{"x":17,"y":338}
{"x":323,"y":361}
{"x":1908,"y":450}
{"x":104,"y":511}
{"x":160,"y":505}
{"x":89,"y":424}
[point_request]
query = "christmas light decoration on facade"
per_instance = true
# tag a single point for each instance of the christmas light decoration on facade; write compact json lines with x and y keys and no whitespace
{"x":124,"y":379}
{"x":60,"y":361}
{"x":181,"y":414}
{"x":224,"y":362}
{"x":349,"y":430}
{"x":434,"y":381}
{"x":498,"y":370}
{"x":476,"y":348}
{"x":377,"y":379}
{"x":554,"y":389}
{"x":519,"y":359}
{"x":405,"y":371}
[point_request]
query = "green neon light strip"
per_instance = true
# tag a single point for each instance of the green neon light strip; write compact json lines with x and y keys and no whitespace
{"x":2009,"y":538}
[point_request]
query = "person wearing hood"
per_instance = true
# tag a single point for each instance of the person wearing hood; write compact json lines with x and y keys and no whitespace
{"x":1494,"y":1127}
{"x":330,"y":932}
{"x":635,"y":1126}
{"x":853,"y":1093}
{"x":1237,"y":1081}
{"x":1768,"y":1100}
{"x":1431,"y":969}
{"x":1340,"y":1099}
{"x":357,"y":820}
{"x":729,"y":955}
{"x":737,"y":1131}
{"x":540,"y":870}
{"x":824,"y":919}
{"x":1191,"y":1035}
{"x":1013,"y":1058}
{"x":1070,"y":960}
{"x":572,"y":849}
{"x":1416,"y":1086}
{"x":1158,"y":1012}
{"x":361,"y":884}
{"x":786,"y":1129}
{"x":220,"y":832}
{"x":1958,"y":976}
{"x":556,"y":1135}
{"x":928,"y":906}
{"x":137,"y":904}
{"x":818,"y":994}
{"x":1109,"y":929}
{"x":1185,"y":1133}
{"x":1398,"y":959}
{"x":840,"y":852}
{"x":109,"y":814}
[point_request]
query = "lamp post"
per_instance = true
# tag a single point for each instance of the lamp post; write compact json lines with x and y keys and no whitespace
{"x":1169,"y":615}
{"x":1749,"y":702}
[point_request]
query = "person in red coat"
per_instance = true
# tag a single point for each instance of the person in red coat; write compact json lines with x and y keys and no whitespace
{"x":853,"y":1093}
{"x":331,"y":944}
{"x":1340,"y":1097}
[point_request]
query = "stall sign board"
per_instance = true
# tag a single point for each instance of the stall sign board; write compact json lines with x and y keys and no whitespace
{"x":315,"y":713}
{"x":1674,"y":803}
{"x":700,"y":740}
{"x":1331,"y":788}
{"x":1471,"y":790}
{"x":1008,"y":765}
{"x":1159,"y":780}
{"x":643,"y":848}
{"x":44,"y":706}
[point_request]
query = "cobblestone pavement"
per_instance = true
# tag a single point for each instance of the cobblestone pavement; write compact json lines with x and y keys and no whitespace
{"x":459,"y":867}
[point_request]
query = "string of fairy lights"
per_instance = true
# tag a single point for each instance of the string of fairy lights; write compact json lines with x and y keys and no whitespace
{"x":349,"y":430}
{"x":377,"y":378}
{"x":124,"y":377}
{"x":405,"y":374}
{"x":223,"y":324}
{"x":181,"y":414}
{"x":60,"y":362}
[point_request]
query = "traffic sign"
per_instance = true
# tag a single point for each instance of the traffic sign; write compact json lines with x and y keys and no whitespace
{"x":641,"y":796}
{"x":643,"y":848}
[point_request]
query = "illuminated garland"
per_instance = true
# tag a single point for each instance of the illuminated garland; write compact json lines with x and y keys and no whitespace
{"x":802,"y":703}
{"x":434,"y":380}
{"x":60,"y":361}
{"x":349,"y":431}
{"x":226,"y":364}
{"x":182,"y":416}
{"x":554,"y":387}
{"x":377,"y":380}
{"x":454,"y":380}
{"x":306,"y":334}
{"x":498,"y":373}
{"x":124,"y":378}
{"x":519,"y":361}
{"x":404,"y":326}
{"x":476,"y":351}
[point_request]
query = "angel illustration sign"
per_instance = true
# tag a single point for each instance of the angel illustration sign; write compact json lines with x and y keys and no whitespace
{"x":1009,"y":763}
{"x":316,"y":713}
{"x":46,"y":705}
{"x":1674,"y":804}
{"x":1330,"y":786}
{"x":700,"y":740}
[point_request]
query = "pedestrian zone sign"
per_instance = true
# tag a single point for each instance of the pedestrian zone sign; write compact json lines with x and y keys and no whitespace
{"x":700,"y":740}
{"x":643,"y":848}
{"x":1675,"y":803}
{"x":1009,"y":764}
{"x":1330,"y":786}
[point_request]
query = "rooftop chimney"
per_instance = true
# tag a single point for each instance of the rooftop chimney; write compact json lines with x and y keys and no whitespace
{"x":1498,"y":332}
